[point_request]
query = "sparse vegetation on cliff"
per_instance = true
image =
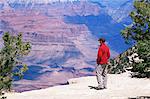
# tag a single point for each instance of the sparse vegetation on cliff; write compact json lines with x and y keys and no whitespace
{"x":139,"y":31}
{"x":11,"y":53}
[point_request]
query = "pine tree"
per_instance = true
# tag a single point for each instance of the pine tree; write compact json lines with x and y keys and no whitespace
{"x":139,"y":31}
{"x":11,"y":56}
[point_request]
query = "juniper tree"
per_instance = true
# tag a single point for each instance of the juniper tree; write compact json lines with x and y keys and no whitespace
{"x":139,"y":31}
{"x":11,"y":55}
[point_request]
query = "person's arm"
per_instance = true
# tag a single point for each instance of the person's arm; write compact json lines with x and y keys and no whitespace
{"x":99,"y":55}
{"x":108,"y":54}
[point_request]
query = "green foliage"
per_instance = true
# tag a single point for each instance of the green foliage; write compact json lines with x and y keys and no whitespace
{"x":117,"y":67}
{"x":119,"y":64}
{"x":139,"y":31}
{"x":143,"y":50}
{"x":140,"y":28}
{"x":11,"y":56}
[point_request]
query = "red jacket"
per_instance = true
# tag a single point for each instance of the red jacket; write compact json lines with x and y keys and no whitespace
{"x":103,"y":54}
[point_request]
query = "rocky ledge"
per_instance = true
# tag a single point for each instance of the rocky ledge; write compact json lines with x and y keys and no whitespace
{"x":120,"y":86}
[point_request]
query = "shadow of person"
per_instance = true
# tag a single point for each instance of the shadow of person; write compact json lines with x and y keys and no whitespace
{"x":92,"y":87}
{"x":96,"y":88}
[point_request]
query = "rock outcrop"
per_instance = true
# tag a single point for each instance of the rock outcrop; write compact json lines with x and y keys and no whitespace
{"x":120,"y":86}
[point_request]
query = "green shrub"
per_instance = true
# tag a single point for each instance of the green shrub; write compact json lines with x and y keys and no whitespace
{"x":139,"y":31}
{"x":11,"y":55}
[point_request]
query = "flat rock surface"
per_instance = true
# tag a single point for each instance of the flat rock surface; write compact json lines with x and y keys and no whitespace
{"x":120,"y":86}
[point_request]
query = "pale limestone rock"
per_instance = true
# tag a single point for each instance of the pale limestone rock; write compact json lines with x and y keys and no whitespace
{"x":120,"y":86}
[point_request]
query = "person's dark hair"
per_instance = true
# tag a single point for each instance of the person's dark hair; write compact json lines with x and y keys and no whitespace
{"x":101,"y":39}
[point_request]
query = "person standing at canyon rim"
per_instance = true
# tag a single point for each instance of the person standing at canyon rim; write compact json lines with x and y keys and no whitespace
{"x":102,"y":60}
